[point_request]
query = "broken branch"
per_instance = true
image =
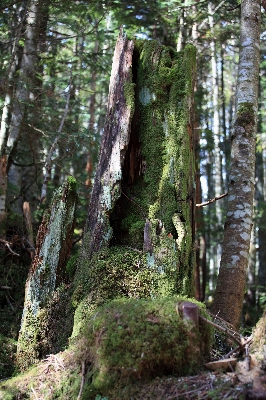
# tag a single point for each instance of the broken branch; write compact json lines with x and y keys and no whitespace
{"x":226,"y":331}
{"x":7,"y":244}
{"x":212,"y":200}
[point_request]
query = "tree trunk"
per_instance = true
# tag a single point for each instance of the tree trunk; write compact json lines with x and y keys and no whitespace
{"x":47,"y":272}
{"x":24,"y":94}
{"x":228,"y":300}
{"x":143,"y":195}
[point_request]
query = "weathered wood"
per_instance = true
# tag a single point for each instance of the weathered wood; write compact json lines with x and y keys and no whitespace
{"x":107,"y":189}
{"x":27,"y":216}
{"x":47,"y":271}
{"x":189,"y":312}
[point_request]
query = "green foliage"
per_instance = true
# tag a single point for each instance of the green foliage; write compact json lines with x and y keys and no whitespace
{"x":71,"y":266}
{"x":7,"y":356}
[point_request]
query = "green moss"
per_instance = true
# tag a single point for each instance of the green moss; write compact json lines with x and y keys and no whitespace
{"x":164,"y":85}
{"x":129,"y":93}
{"x":119,"y":272}
{"x":131,"y":340}
{"x":245,"y":115}
{"x":72,"y":266}
{"x":72,"y":183}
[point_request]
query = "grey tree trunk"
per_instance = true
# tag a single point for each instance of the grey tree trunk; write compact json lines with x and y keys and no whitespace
{"x":231,"y":284}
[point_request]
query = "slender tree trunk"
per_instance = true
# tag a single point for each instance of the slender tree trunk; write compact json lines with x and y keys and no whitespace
{"x":23,"y":94}
{"x":260,"y":207}
{"x":228,"y":300}
{"x":217,"y":170}
{"x":17,"y":24}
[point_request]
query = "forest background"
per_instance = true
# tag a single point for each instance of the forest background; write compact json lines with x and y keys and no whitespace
{"x":53,"y":112}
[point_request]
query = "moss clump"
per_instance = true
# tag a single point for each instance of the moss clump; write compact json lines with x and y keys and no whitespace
{"x":119,"y":272}
{"x":130,"y":340}
{"x":72,"y":184}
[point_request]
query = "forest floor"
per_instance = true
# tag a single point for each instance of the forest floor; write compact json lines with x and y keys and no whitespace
{"x":60,"y":377}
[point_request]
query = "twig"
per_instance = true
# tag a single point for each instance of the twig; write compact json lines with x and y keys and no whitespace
{"x":212,"y":200}
{"x":83,"y":371}
{"x":5,"y":288}
{"x":9,"y":303}
{"x":35,"y":395}
{"x":223,"y":330}
{"x":238,"y":347}
{"x":7,"y":244}
{"x":132,"y":201}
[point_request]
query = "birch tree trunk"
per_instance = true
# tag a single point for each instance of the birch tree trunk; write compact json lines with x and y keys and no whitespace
{"x":231,"y":283}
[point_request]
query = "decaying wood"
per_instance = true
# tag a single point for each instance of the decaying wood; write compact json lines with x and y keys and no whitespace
{"x":227,"y":364}
{"x":189,"y":312}
{"x":107,"y":185}
{"x":83,"y":373}
{"x":27,"y":216}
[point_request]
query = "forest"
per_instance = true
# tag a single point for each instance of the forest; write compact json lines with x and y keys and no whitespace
{"x":132,"y":199}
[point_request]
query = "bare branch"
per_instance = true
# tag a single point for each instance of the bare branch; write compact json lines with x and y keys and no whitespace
{"x":7,"y":244}
{"x":212,"y":200}
{"x":226,"y":331}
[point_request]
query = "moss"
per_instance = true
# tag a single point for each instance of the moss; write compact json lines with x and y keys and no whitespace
{"x":245,"y":115}
{"x":129,"y":93}
{"x":131,"y":340}
{"x":162,"y":189}
{"x":72,"y":184}
{"x":119,"y":272}
{"x":71,"y":266}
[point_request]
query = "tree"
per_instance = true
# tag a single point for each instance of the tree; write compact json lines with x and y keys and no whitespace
{"x":231,"y":283}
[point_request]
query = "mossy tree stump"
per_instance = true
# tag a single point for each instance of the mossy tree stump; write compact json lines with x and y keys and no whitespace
{"x":46,"y":273}
{"x":143,"y":195}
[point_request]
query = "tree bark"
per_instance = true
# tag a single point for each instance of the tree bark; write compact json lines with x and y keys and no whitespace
{"x":228,"y":300}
